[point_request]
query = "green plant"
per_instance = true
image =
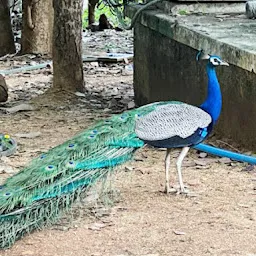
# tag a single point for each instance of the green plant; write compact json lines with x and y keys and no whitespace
{"x":183,"y":12}
{"x":98,"y":11}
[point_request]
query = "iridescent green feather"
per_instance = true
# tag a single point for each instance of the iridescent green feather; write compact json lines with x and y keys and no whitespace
{"x":49,"y":184}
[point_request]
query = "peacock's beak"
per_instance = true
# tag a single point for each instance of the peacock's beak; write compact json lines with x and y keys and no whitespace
{"x":224,"y":63}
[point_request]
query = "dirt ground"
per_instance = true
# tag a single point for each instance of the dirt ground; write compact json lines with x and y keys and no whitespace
{"x":143,"y":221}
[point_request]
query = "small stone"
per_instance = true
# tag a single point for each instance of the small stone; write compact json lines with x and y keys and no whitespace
{"x":202,"y":155}
{"x":33,"y":63}
{"x":64,"y":228}
{"x":79,"y":94}
{"x":128,"y":168}
{"x":131,"y":105}
{"x":94,"y":64}
{"x":200,"y":162}
{"x":225,"y":160}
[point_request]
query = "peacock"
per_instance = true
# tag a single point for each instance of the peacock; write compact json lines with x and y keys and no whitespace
{"x":50,"y":183}
{"x":181,"y":125}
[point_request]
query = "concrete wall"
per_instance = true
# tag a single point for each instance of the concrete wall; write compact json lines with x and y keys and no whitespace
{"x":167,"y":70}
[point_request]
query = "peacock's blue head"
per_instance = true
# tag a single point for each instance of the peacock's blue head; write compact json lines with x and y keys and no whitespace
{"x":213,"y":60}
{"x":216,"y":61}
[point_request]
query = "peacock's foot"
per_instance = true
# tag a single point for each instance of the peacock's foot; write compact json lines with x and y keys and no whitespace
{"x":182,"y":190}
{"x":176,"y":189}
{"x":170,"y":190}
{"x":186,"y":192}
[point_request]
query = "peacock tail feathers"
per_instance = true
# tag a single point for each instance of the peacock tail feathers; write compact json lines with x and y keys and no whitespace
{"x":50,"y":183}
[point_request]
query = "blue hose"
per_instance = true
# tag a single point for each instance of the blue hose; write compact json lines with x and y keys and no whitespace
{"x":225,"y":153}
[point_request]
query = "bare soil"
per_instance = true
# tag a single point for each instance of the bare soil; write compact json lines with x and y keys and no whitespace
{"x":218,"y":220}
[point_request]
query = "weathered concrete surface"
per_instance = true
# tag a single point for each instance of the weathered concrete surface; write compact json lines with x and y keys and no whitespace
{"x":166,"y":69}
{"x":175,"y":8}
{"x":231,"y":36}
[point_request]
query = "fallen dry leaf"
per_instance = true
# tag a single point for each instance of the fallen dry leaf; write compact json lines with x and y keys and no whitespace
{"x":179,"y":233}
{"x":97,"y":226}
{"x":30,"y":135}
{"x":21,"y":107}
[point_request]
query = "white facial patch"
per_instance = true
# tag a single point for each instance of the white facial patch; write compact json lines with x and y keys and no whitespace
{"x":215,"y":61}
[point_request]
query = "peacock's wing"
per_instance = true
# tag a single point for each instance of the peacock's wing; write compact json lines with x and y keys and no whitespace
{"x":171,"y":120}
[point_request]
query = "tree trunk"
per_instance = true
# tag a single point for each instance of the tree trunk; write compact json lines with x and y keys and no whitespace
{"x":37,"y":21}
{"x":91,"y":11}
{"x":3,"y":89}
{"x":6,"y":36}
{"x":67,"y":46}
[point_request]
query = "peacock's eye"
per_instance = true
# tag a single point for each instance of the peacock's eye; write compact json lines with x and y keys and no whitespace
{"x":216,"y":60}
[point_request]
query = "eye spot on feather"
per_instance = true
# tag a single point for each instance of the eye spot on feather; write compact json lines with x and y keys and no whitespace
{"x":91,"y":136}
{"x":107,"y":121}
{"x":42,"y":156}
{"x":137,"y":115}
{"x":71,"y":146}
{"x":1,"y":187}
{"x":7,"y":194}
{"x":94,"y":132}
{"x":122,"y":117}
{"x":71,"y":164}
{"x":49,"y":168}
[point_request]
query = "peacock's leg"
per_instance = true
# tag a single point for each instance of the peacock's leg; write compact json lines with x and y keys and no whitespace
{"x":182,"y":155}
{"x":167,"y":174}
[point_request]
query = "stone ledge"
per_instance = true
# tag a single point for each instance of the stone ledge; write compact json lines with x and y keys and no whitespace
{"x":175,"y":8}
{"x":232,"y":36}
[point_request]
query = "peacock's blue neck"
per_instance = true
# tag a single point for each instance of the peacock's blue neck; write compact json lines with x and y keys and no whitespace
{"x":213,"y":102}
